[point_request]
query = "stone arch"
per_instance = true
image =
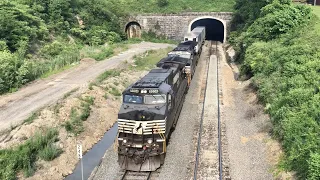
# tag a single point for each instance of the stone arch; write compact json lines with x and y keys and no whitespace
{"x":133,"y":29}
{"x":216,"y":28}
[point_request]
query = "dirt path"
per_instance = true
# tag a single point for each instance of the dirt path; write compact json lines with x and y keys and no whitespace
{"x":18,"y":106}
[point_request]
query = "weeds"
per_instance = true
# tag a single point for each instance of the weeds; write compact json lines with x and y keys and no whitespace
{"x":107,"y":74}
{"x":30,"y":119}
{"x":23,"y":157}
{"x":149,"y":59}
{"x":50,"y":152}
{"x":114,"y":91}
{"x":78,"y":115}
{"x":56,"y":108}
{"x":70,"y":93}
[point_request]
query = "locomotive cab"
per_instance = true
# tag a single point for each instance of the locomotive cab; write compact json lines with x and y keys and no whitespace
{"x":142,"y":122}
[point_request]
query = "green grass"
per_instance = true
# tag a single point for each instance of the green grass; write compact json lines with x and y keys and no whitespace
{"x":23,"y":157}
{"x":316,"y":11}
{"x":70,"y":93}
{"x":108,"y":74}
{"x":114,"y":91}
{"x":33,"y":116}
{"x":149,"y":59}
{"x":57,"y":71}
{"x":175,"y":6}
{"x":98,"y":53}
{"x":49,"y":152}
{"x":78,"y":115}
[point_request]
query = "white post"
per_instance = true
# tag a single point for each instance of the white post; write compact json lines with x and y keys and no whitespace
{"x":314,"y":2}
{"x":81,"y":169}
{"x":79,"y":153}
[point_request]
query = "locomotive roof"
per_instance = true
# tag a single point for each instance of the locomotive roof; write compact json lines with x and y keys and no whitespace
{"x":173,"y":61}
{"x":185,"y":46}
{"x":153,"y":79}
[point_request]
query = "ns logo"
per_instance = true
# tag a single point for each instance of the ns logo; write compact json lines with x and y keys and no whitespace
{"x":138,"y":128}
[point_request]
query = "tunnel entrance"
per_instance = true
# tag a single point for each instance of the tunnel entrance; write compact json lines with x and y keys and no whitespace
{"x":133,"y":30}
{"x":215,"y":29}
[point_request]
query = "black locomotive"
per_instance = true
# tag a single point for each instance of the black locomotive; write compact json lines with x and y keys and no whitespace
{"x":151,"y":108}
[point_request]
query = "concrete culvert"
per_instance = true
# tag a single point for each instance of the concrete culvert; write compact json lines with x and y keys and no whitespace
{"x":215,"y":28}
{"x":133,"y":30}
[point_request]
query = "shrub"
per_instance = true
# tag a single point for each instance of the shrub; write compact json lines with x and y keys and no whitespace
{"x":23,"y":157}
{"x":314,"y":167}
{"x":50,"y":152}
{"x":277,"y":51}
{"x":162,"y":3}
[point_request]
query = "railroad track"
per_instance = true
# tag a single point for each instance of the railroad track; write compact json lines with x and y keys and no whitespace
{"x":213,"y":50}
{"x":132,"y":175}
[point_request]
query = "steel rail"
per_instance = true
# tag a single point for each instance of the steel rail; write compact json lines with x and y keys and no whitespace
{"x":202,"y":117}
{"x":219,"y":120}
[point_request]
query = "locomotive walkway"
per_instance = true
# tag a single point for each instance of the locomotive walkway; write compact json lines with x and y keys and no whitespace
{"x":16,"y":107}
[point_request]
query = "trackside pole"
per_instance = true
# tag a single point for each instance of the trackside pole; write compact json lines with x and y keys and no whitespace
{"x":79,"y":153}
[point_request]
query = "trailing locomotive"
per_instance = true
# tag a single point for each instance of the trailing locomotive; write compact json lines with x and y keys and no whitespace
{"x":151,"y":108}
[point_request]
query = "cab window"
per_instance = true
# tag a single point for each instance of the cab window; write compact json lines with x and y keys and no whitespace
{"x":155,"y":99}
{"x":133,"y":99}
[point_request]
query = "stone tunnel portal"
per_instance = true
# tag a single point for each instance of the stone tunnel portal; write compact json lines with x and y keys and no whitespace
{"x":133,"y":30}
{"x":215,"y":28}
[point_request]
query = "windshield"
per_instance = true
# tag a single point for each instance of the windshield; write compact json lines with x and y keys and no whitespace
{"x":155,"y":99}
{"x":133,"y":99}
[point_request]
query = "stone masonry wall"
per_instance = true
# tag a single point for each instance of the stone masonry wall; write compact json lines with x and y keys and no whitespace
{"x":174,"y":26}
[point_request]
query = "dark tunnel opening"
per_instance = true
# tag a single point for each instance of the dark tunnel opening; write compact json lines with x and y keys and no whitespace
{"x":133,"y":30}
{"x":214,"y":28}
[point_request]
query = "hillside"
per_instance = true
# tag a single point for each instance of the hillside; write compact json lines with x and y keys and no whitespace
{"x":282,"y":61}
{"x":175,"y":6}
{"x":40,"y":38}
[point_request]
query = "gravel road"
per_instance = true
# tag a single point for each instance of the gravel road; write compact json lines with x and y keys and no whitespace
{"x":18,"y":106}
{"x":246,"y":127}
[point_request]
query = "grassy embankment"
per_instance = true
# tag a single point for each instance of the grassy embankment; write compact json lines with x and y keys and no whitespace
{"x":176,"y":6}
{"x":24,"y":156}
{"x":278,"y":43}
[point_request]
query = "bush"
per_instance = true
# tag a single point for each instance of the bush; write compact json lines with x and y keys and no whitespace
{"x":50,"y":152}
{"x":19,"y":24}
{"x":276,"y":50}
{"x":314,"y":167}
{"x":23,"y":157}
{"x":162,"y":3}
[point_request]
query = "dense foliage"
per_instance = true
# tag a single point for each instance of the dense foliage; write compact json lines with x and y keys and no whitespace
{"x":176,"y":6}
{"x":281,"y":49}
{"x":41,"y":36}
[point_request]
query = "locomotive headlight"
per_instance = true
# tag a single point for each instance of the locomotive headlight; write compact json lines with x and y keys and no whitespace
{"x":124,"y":141}
{"x":149,"y":141}
{"x":143,"y":91}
